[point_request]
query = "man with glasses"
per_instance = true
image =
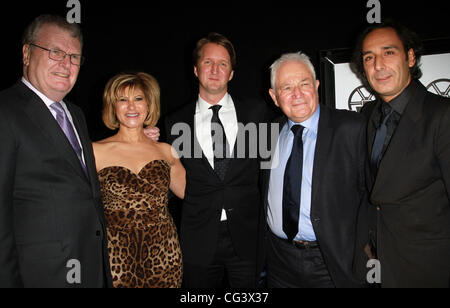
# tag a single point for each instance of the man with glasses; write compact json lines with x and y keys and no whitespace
{"x":51,"y":218}
{"x":59,"y":55}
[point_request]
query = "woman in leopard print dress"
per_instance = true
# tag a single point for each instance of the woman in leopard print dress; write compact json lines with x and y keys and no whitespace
{"x":136,"y":174}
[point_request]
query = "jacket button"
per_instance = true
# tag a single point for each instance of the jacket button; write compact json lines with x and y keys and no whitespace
{"x":98,"y":233}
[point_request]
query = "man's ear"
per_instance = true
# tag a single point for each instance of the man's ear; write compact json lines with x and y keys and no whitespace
{"x":274,"y":97}
{"x":195,"y":71}
{"x":411,"y":58}
{"x":26,"y":53}
{"x":231,"y":76}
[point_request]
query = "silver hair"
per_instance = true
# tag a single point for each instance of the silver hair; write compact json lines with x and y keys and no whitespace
{"x":296,"y":56}
{"x":33,"y":29}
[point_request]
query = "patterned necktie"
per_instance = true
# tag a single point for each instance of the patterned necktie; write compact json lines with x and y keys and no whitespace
{"x":220,"y":144}
{"x":292,"y":185}
{"x":380,"y":137}
{"x":66,"y":126}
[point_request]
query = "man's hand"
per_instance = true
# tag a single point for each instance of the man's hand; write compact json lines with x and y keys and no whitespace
{"x":152,"y":133}
{"x":369,"y":252}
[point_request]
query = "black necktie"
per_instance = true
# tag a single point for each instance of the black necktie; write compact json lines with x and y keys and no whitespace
{"x":380,"y":136}
{"x":292,"y":185}
{"x":220,"y":144}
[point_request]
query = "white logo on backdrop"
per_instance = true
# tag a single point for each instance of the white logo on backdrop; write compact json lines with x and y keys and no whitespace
{"x":358,"y":98}
{"x":440,"y":87}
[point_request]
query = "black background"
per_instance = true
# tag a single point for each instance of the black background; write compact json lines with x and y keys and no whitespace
{"x":158,"y":38}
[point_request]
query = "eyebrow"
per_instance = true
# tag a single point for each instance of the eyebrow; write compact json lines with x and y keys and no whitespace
{"x":309,"y":79}
{"x":384,"y":48}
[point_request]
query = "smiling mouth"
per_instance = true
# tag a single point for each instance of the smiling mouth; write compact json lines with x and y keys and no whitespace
{"x":132,"y":115}
{"x":382,"y":79}
{"x":298,"y":104}
{"x":62,"y":75}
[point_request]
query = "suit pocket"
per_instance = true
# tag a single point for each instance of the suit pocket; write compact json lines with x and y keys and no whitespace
{"x":40,"y":251}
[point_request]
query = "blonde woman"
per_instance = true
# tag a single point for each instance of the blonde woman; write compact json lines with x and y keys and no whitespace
{"x":136,"y":174}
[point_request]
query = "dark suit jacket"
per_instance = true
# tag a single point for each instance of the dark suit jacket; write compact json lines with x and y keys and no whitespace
{"x":239,"y":194}
{"x":338,"y":191}
{"x":50,"y":212}
{"x":412,"y":193}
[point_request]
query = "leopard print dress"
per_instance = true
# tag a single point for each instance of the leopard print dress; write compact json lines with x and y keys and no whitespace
{"x":143,"y":246}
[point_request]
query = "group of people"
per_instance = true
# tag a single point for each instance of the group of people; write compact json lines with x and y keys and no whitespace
{"x":343,"y":187}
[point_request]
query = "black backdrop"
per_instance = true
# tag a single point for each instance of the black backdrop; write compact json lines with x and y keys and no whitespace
{"x":159,"y":38}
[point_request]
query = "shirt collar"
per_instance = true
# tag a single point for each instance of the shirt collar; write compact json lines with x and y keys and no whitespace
{"x":48,"y":102}
{"x":400,"y":102}
{"x":225,"y":102}
{"x":312,"y":124}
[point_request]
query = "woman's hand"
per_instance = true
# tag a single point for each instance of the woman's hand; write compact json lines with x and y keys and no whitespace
{"x":152,"y":133}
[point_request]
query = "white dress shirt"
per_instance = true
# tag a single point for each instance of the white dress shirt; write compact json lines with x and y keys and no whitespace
{"x":228,"y":117}
{"x":48,"y":102}
{"x":203,"y":116}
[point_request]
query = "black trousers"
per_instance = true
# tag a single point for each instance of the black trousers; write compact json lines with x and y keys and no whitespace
{"x":227,"y":270}
{"x":291,"y":267}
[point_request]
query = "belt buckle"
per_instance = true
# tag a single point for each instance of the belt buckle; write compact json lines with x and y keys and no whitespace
{"x":302,"y":244}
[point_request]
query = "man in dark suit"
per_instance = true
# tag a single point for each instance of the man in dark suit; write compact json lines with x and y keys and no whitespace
{"x":409,"y":144}
{"x":316,"y":185}
{"x":222,"y":207}
{"x":51,"y":218}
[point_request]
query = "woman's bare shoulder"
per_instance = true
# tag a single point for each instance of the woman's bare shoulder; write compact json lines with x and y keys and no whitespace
{"x":168,"y":151}
{"x":104,"y":145}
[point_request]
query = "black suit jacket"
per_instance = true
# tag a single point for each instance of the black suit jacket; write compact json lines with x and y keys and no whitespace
{"x":239,"y":194}
{"x":50,"y":212}
{"x":338,"y":191}
{"x":412,"y":193}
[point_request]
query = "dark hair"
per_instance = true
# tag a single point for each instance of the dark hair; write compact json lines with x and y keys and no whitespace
{"x":31,"y":32}
{"x":409,"y":39}
{"x":218,"y":39}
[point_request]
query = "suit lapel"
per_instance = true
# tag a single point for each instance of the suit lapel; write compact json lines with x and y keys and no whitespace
{"x":196,"y":149}
{"x":400,"y":142}
{"x":241,"y":113}
{"x":39,"y":114}
{"x":243,"y":118}
{"x":324,"y":137}
{"x":373,"y":121}
{"x":372,"y":126}
{"x":240,"y":117}
{"x":85,"y":143}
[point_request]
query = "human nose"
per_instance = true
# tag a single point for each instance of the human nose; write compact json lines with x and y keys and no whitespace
{"x":296,"y":92}
{"x":379,"y":63}
{"x":131,"y":104}
{"x":214,"y":68}
{"x":65,"y":62}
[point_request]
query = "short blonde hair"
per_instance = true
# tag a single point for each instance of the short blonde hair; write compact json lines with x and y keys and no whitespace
{"x":115,"y":89}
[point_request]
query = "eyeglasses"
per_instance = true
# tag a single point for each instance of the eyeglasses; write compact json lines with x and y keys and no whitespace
{"x":59,"y":55}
